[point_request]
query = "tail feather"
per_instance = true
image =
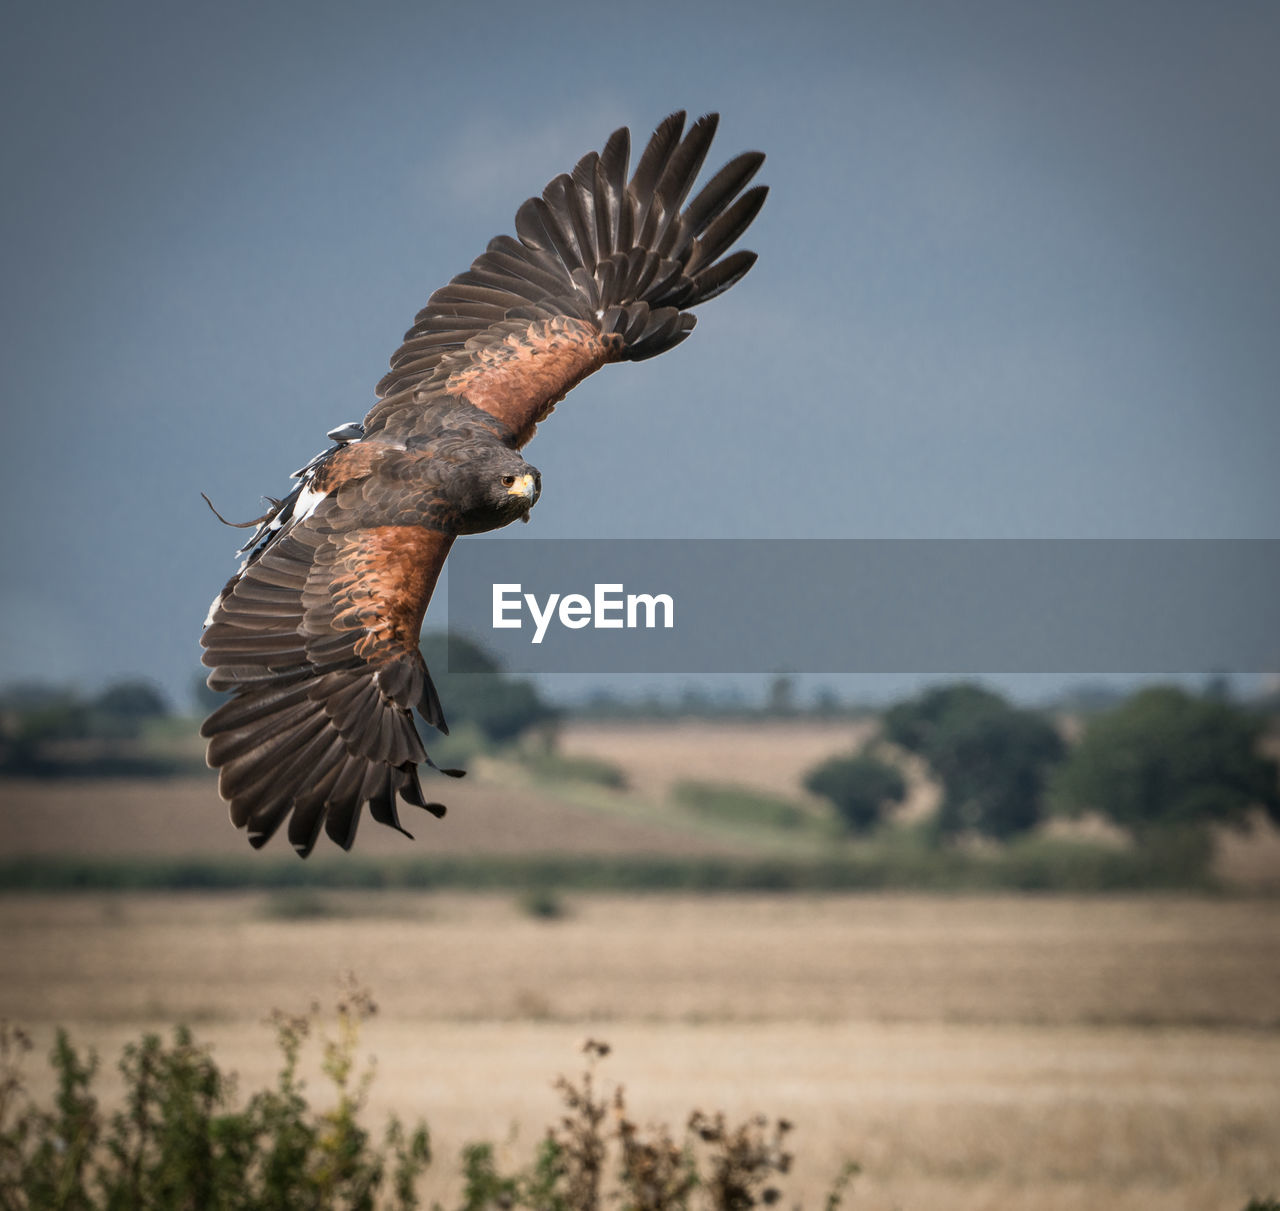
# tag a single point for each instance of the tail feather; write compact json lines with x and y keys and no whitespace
{"x":259,"y":771}
{"x":320,"y":748}
{"x":719,"y":277}
{"x":383,"y":810}
{"x":249,"y":708}
{"x":710,"y":200}
{"x":304,"y":826}
{"x":726,"y":229}
{"x":343,"y":814}
{"x":655,"y":155}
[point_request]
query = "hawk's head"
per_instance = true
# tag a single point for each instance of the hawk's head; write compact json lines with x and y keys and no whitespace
{"x":494,"y":489}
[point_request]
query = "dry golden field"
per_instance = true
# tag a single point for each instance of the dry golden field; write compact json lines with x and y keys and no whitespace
{"x":496,"y":810}
{"x":489,"y":812}
{"x":185,"y":816}
{"x":768,"y":755}
{"x":975,"y":1052}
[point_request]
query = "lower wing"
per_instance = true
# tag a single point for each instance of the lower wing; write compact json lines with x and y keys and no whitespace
{"x":317,"y":638}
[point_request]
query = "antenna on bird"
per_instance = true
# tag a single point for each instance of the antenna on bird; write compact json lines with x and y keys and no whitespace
{"x":244,"y":525}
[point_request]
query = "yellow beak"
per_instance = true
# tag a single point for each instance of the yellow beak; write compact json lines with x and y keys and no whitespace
{"x":522,"y":487}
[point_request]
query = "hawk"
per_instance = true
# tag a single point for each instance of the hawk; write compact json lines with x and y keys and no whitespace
{"x":316,"y":635}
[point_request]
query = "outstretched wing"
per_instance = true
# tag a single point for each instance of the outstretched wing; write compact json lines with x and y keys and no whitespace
{"x":604,"y":269}
{"x":318,"y":636}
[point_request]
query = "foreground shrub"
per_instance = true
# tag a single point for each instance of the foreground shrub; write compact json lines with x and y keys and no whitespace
{"x":179,"y":1142}
{"x":597,"y":1156}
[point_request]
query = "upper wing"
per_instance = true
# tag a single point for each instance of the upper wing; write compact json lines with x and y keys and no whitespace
{"x":605,"y":269}
{"x":318,"y":636}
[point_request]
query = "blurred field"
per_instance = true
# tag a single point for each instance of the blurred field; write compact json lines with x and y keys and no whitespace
{"x":494,"y":811}
{"x":769,"y":756}
{"x":185,"y":817}
{"x":975,"y":1052}
{"x":971,"y":1052}
{"x":501,"y":809}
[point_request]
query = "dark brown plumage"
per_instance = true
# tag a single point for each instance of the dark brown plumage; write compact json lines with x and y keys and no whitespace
{"x":316,"y":635}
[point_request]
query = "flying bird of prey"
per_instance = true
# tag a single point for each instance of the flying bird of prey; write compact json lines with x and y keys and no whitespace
{"x":316,"y":635}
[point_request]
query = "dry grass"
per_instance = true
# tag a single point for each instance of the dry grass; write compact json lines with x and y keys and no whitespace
{"x":185,"y":816}
{"x":971,"y":1053}
{"x":1251,"y":858}
{"x":492,"y":811}
{"x":963,"y":1117}
{"x":1046,"y":961}
{"x":768,"y":756}
{"x":499,"y":810}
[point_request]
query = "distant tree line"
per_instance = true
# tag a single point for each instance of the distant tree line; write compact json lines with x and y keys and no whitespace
{"x":52,"y":731}
{"x":781,"y":700}
{"x":32,"y":709}
{"x":45,"y":728}
{"x":1163,"y":762}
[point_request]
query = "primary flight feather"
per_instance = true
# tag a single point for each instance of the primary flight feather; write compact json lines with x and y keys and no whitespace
{"x":316,"y":636}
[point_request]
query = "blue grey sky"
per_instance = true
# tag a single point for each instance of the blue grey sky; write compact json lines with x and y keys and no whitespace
{"x":1019,"y":275}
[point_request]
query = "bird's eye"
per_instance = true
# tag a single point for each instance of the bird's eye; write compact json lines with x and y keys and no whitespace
{"x":508,"y":480}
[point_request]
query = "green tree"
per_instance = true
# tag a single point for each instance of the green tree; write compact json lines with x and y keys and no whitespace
{"x":123,"y":708}
{"x":1168,"y":759}
{"x":33,"y":713}
{"x":993,"y":759}
{"x":860,"y":788}
{"x":475,"y":690}
{"x":781,"y":697}
{"x":132,"y":699}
